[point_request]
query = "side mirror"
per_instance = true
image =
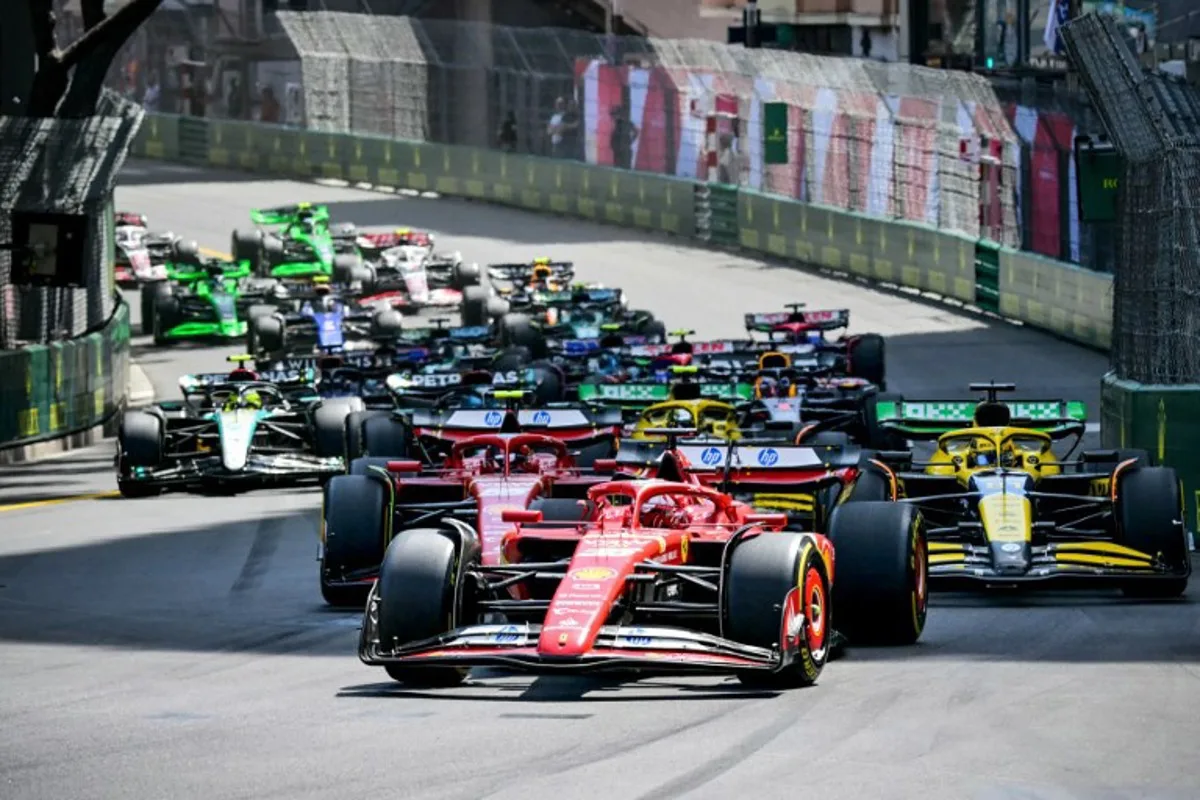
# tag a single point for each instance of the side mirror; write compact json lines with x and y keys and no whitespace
{"x":404,"y":466}
{"x":520,"y":516}
{"x":605,"y":466}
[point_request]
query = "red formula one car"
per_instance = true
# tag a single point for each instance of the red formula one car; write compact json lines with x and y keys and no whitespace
{"x":565,"y":574}
{"x":860,"y":355}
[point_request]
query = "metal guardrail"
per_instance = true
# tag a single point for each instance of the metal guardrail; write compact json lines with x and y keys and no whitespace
{"x":1072,"y":302}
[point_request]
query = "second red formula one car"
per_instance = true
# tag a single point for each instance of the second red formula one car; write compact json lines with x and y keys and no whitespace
{"x":654,"y":576}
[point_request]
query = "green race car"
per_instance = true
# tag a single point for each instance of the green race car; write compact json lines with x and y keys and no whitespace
{"x":302,"y":244}
{"x":201,"y":299}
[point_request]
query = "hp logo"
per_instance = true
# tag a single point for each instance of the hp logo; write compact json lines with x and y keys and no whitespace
{"x":711,"y":456}
{"x":493,"y":419}
{"x":541,"y":418}
{"x":768,"y":457}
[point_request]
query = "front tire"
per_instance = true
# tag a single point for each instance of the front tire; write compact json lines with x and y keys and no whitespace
{"x":762,"y":577}
{"x":354,"y":526}
{"x":417,"y":601}
{"x":1150,"y":520}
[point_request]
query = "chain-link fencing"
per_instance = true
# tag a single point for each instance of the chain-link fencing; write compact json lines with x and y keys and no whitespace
{"x":890,"y":140}
{"x":62,"y":166}
{"x":1154,"y":122}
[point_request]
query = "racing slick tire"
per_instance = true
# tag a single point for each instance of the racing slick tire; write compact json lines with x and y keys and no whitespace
{"x":348,"y":269}
{"x":1149,"y":511}
{"x":353,"y":527}
{"x":186,"y":252}
{"x":763,"y":571}
{"x":165,"y":317}
{"x":881,"y":585}
{"x":868,"y":359}
{"x":150,"y":294}
{"x":388,"y":322}
{"x":827,"y":439}
{"x":878,"y":437}
{"x":247,"y":246}
{"x":384,"y":437}
{"x":329,"y":425}
{"x":417,"y":600}
{"x":464,"y":275}
{"x":353,"y":432}
{"x":516,"y":330}
{"x":475,"y":306}
{"x":265,"y":334}
{"x":654,"y":330}
{"x":140,"y":444}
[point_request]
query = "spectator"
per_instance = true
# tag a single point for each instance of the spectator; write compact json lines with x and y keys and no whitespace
{"x":570,"y":133}
{"x":234,"y":107}
{"x":508,"y":133}
{"x":624,"y":134}
{"x":555,"y":129}
{"x":153,"y":93}
{"x":268,"y":106}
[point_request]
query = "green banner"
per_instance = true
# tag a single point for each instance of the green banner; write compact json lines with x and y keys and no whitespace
{"x":775,"y":133}
{"x":50,"y":391}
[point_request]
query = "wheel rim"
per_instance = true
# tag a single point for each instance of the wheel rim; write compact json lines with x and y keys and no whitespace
{"x":921,"y":587}
{"x":814,"y":610}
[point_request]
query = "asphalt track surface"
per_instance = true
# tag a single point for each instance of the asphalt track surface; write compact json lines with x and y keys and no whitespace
{"x":178,"y":647}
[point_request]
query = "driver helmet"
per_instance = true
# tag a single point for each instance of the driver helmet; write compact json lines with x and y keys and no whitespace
{"x":242,"y":374}
{"x":681,"y":418}
{"x":608,"y":364}
{"x":768,"y":387}
{"x":983,"y":453}
{"x":251,"y":399}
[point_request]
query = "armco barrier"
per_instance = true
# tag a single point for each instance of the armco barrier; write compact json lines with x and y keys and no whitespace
{"x":1072,"y":302}
{"x":51,"y":391}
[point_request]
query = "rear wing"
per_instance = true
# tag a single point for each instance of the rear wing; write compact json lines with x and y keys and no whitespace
{"x":746,"y":460}
{"x":493,"y":419}
{"x":647,"y":394}
{"x":822,"y":319}
{"x":472,"y":334}
{"x":282,"y":377}
{"x":521,"y":273}
{"x":281,"y":215}
{"x":932,"y":418}
{"x":365,"y":360}
{"x":585,"y":347}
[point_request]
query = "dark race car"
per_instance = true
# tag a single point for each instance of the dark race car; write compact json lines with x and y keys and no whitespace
{"x":860,"y":355}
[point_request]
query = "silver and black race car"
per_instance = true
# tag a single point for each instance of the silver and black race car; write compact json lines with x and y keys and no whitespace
{"x":232,"y":432}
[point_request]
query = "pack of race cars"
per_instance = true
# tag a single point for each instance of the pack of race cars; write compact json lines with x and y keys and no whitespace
{"x":561,"y":484}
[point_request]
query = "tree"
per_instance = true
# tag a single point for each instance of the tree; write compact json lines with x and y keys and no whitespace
{"x":68,"y":81}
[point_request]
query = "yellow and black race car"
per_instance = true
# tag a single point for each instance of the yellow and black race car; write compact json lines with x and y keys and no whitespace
{"x":1004,"y":510}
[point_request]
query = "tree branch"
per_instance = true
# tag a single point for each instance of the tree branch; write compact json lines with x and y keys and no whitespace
{"x":121,"y":25}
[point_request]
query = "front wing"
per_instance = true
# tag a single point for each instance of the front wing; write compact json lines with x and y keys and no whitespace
{"x":205,"y":469}
{"x":616,"y":648}
{"x":1085,"y":565}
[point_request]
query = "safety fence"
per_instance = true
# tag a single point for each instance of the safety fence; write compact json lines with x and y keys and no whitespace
{"x":1154,"y":122}
{"x":55,"y":390}
{"x":1072,"y":302}
{"x":64,"y":166}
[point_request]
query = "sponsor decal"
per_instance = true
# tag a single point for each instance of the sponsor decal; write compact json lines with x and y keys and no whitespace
{"x":636,"y":637}
{"x":493,"y":419}
{"x":1011,"y":547}
{"x":683,"y":549}
{"x":593,"y":574}
{"x":768,"y":457}
{"x":569,"y":623}
{"x":541,"y":418}
{"x":711,"y":456}
{"x":508,"y":634}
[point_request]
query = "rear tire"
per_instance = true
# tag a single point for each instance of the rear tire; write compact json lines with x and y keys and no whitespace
{"x":762,"y":575}
{"x":385,"y":437}
{"x":868,"y":359}
{"x":354,"y":527}
{"x":329,"y":425}
{"x":475,"y":306}
{"x":881,"y":579}
{"x":516,"y":330}
{"x":416,"y":601}
{"x":1150,"y":520}
{"x":268,"y":334}
{"x":465,"y":276}
{"x":353,"y":442}
{"x":149,"y":305}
